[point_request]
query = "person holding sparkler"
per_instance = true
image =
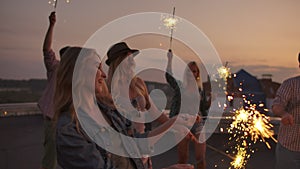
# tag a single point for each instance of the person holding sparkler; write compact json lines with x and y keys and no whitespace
{"x":45,"y":103}
{"x":192,"y":74}
{"x":287,"y":105}
{"x":120,"y":79}
{"x":75,"y":148}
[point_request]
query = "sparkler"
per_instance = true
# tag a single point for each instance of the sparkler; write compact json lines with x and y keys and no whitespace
{"x":224,"y":72}
{"x":249,"y":124}
{"x":252,"y":122}
{"x":170,"y":23}
{"x":240,"y":158}
{"x":54,"y":3}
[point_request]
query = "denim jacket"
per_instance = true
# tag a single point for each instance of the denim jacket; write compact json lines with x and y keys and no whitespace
{"x":77,"y":151}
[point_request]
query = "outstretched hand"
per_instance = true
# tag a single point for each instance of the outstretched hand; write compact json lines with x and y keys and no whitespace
{"x":52,"y":18}
{"x":170,"y":54}
{"x":287,"y":119}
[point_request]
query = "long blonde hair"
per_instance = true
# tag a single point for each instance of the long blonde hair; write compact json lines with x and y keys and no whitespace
{"x":136,"y":83}
{"x":63,"y":92}
{"x":113,"y":67}
{"x":63,"y":100}
{"x":188,"y":71}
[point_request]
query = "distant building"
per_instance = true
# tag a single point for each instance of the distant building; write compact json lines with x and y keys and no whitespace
{"x":269,"y":88}
{"x":241,"y":85}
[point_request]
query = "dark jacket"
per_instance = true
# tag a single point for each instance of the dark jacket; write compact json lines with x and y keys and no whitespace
{"x":176,"y":100}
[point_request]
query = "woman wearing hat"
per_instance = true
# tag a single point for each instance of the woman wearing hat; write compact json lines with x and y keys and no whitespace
{"x":76,"y":148}
{"x":125,"y":86}
{"x":121,"y":76}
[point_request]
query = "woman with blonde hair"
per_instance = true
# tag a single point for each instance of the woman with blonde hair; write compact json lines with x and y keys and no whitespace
{"x":188,"y":90}
{"x":125,"y":86}
{"x":85,"y":113}
{"x":130,"y":92}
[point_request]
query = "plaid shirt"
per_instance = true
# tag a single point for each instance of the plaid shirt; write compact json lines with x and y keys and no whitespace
{"x":288,"y":96}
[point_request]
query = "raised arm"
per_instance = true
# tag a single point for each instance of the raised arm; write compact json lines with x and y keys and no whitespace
{"x":47,"y":46}
{"x":170,"y":57}
{"x":175,"y":85}
{"x":168,"y":75}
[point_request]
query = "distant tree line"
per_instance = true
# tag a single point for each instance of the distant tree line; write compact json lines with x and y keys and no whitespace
{"x":21,"y":91}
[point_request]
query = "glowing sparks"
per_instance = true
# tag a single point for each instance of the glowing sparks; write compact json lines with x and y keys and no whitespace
{"x":241,"y":116}
{"x":170,"y":22}
{"x":261,"y":128}
{"x":229,"y":98}
{"x":248,"y":126}
{"x":224,"y":72}
{"x":252,"y":122}
{"x":54,"y":2}
{"x":221,"y":130}
{"x":240,"y":158}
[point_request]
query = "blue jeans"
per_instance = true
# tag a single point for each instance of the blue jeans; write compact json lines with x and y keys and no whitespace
{"x":286,"y":159}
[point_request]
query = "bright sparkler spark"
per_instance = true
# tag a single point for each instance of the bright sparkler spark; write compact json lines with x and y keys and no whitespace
{"x":261,"y":128}
{"x":240,"y":159}
{"x":240,"y":117}
{"x":170,"y":22}
{"x":54,"y":2}
{"x":252,"y":122}
{"x":224,"y":72}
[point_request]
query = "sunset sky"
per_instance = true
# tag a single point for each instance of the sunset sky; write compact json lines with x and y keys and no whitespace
{"x":260,"y":36}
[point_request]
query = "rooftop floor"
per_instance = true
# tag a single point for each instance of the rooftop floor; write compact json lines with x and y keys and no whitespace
{"x":21,"y":147}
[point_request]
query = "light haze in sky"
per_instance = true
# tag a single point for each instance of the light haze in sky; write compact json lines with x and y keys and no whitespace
{"x":262,"y":37}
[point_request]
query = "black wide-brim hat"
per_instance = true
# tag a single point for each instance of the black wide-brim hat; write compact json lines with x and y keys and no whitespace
{"x":117,"y":49}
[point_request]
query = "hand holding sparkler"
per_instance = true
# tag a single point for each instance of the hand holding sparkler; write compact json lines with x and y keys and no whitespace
{"x":47,"y":45}
{"x":52,"y":18}
{"x":170,"y":57}
{"x":170,"y":54}
{"x":287,"y":119}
